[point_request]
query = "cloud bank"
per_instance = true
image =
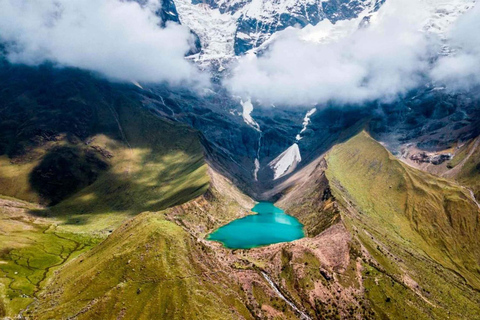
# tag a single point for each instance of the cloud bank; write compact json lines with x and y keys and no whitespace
{"x":460,"y":70}
{"x":123,"y":41}
{"x":120,"y":39}
{"x":381,"y":62}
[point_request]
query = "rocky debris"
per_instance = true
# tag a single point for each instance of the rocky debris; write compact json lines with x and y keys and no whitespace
{"x":104,"y":152}
{"x":435,"y":159}
{"x":325,"y":274}
{"x":331,"y":247}
{"x":327,"y":194}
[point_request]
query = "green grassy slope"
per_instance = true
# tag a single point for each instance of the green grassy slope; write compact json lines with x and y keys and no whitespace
{"x":31,"y":249}
{"x":148,"y":268}
{"x":222,"y":203}
{"x":161,"y":166}
{"x":312,"y":195}
{"x":155,"y":266}
{"x":421,"y":231}
{"x":466,"y":166}
{"x":89,"y":147}
{"x":95,"y":155}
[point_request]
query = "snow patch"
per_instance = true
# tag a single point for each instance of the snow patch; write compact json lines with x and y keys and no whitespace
{"x":135,"y":83}
{"x":257,"y":168}
{"x":442,"y":14}
{"x":326,"y":32}
{"x":244,"y":36}
{"x":306,"y":122}
{"x":234,"y":112}
{"x":247,"y":117}
{"x":215,"y":30}
{"x":286,"y":162}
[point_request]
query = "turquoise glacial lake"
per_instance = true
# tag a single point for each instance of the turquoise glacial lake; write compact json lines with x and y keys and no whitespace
{"x":269,"y":225}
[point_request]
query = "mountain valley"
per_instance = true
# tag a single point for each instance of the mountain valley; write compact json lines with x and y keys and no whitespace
{"x":109,"y":190}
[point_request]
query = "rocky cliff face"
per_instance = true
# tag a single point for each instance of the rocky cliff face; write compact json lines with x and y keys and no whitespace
{"x":259,"y":147}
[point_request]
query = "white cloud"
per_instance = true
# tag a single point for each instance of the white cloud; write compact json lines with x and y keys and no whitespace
{"x":123,"y":41}
{"x":119,"y":39}
{"x":461,"y":70}
{"x":382,"y":62}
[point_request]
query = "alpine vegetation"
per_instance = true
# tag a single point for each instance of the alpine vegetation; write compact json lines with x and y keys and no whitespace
{"x":239,"y":159}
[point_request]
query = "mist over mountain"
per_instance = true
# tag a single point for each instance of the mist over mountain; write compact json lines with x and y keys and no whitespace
{"x":459,"y":70}
{"x":378,"y":51}
{"x":94,"y":36}
{"x":381,"y":60}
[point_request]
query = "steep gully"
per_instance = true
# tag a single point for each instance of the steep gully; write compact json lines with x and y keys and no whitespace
{"x":473,"y":198}
{"x":286,"y":161}
{"x":303,"y":316}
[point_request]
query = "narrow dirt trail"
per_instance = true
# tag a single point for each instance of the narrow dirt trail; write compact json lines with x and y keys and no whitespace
{"x":473,"y":197}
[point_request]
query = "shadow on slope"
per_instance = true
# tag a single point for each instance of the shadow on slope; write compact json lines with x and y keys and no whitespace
{"x":88,"y":146}
{"x":64,"y":171}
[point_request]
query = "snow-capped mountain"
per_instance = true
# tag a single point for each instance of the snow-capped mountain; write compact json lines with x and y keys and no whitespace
{"x":441,"y":14}
{"x":228,"y":28}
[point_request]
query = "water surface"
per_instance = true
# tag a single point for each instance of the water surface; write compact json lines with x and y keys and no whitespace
{"x":270,"y":225}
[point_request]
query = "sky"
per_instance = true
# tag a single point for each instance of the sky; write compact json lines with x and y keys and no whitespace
{"x":122,"y":41}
